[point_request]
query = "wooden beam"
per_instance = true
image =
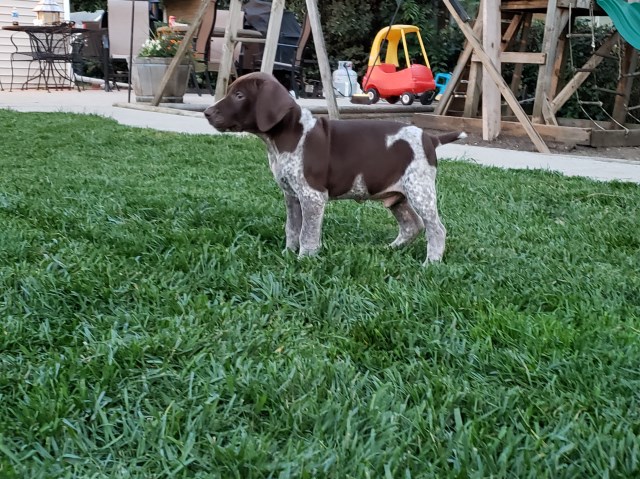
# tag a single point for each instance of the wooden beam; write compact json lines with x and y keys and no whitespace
{"x":519,"y":57}
{"x":323,"y":59}
{"x":491,"y":42}
{"x":497,"y":78}
{"x":273,"y":35}
{"x":601,"y":138}
{"x":226,"y":62}
{"x":510,"y":33}
{"x":182,"y":51}
{"x":523,"y":5}
{"x":557,"y":134}
{"x":572,"y":86}
{"x":625,"y":84}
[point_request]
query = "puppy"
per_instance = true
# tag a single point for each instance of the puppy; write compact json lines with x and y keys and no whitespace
{"x":315,"y":160}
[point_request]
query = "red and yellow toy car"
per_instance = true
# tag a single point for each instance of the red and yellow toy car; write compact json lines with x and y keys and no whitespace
{"x":387,"y":80}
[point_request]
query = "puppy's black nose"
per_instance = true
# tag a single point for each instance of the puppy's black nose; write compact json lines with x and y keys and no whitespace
{"x":209,"y":112}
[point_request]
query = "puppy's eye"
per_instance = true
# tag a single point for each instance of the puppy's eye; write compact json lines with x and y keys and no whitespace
{"x":239,"y":95}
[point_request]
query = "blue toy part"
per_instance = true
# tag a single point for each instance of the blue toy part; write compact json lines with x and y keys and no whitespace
{"x":442,"y":79}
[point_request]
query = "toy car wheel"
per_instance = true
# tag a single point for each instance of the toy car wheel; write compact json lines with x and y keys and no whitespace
{"x":427,"y":97}
{"x":392,"y":99}
{"x":406,"y":98}
{"x":374,"y":96}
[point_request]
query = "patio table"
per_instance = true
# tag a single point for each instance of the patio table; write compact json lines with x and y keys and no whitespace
{"x":51,"y":49}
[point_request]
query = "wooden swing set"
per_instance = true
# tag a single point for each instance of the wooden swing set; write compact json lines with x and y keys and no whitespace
{"x":488,"y":47}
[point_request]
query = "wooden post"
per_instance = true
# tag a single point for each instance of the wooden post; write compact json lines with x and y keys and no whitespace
{"x":629,"y":65}
{"x":273,"y":35}
{"x":554,"y":23}
{"x":226,"y":62}
{"x":491,"y":39}
{"x":323,"y":59}
{"x":497,"y":78}
{"x":182,"y":50}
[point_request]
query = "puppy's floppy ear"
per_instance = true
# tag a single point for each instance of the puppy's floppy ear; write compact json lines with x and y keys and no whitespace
{"x":272,"y":104}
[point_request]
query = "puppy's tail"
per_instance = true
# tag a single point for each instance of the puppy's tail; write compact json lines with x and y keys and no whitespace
{"x":449,"y":137}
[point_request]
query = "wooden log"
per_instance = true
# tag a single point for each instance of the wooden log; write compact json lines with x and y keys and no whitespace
{"x":323,"y":59}
{"x":273,"y":35}
{"x":182,"y":51}
{"x":572,"y":86}
{"x":226,"y":62}
{"x":558,"y":134}
{"x":491,"y":42}
{"x":497,"y":78}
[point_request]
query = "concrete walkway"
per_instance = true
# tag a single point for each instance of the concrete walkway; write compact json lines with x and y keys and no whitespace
{"x":192,"y":122}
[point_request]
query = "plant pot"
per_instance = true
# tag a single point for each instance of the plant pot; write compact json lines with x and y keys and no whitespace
{"x":147,"y":74}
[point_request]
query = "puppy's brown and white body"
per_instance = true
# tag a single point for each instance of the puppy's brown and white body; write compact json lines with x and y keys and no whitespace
{"x":315,"y":160}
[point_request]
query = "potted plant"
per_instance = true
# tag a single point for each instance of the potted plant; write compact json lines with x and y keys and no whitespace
{"x":151,"y":64}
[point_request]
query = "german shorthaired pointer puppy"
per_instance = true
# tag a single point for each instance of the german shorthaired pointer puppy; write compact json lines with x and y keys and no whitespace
{"x":315,"y":160}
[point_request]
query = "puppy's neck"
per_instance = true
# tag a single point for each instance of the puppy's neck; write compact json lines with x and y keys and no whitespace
{"x":286,"y":135}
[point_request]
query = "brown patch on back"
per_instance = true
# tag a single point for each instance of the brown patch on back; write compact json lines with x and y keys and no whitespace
{"x":336,"y":152}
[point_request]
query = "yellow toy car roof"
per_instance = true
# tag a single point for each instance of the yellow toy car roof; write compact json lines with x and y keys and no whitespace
{"x":395,"y":35}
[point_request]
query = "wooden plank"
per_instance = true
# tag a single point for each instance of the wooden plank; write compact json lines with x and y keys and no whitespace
{"x":519,"y":57}
{"x":323,"y":59}
{"x":463,"y":59}
{"x":273,"y":35}
{"x":557,"y":66}
{"x":523,"y":5}
{"x":558,"y":134}
{"x":625,"y":84}
{"x":573,"y":85}
{"x":601,"y":138}
{"x":497,"y":78}
{"x":182,"y":51}
{"x":491,"y":42}
{"x":226,"y":62}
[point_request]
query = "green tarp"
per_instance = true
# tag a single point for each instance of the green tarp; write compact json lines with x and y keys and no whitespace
{"x":626,"y":18}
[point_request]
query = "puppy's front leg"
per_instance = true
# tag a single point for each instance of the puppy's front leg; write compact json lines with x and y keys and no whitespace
{"x":312,"y":203}
{"x":294,"y":222}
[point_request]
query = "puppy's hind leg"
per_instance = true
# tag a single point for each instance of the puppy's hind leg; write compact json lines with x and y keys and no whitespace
{"x":420,"y":189}
{"x":409,"y":222}
{"x":294,"y":222}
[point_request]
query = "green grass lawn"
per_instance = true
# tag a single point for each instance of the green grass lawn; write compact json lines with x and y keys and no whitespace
{"x":152,"y":327}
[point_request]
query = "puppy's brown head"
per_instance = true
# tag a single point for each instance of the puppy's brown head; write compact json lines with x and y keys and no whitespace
{"x":255,"y":103}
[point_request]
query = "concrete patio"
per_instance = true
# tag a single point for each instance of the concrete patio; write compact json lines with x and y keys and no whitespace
{"x":114,"y":105}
